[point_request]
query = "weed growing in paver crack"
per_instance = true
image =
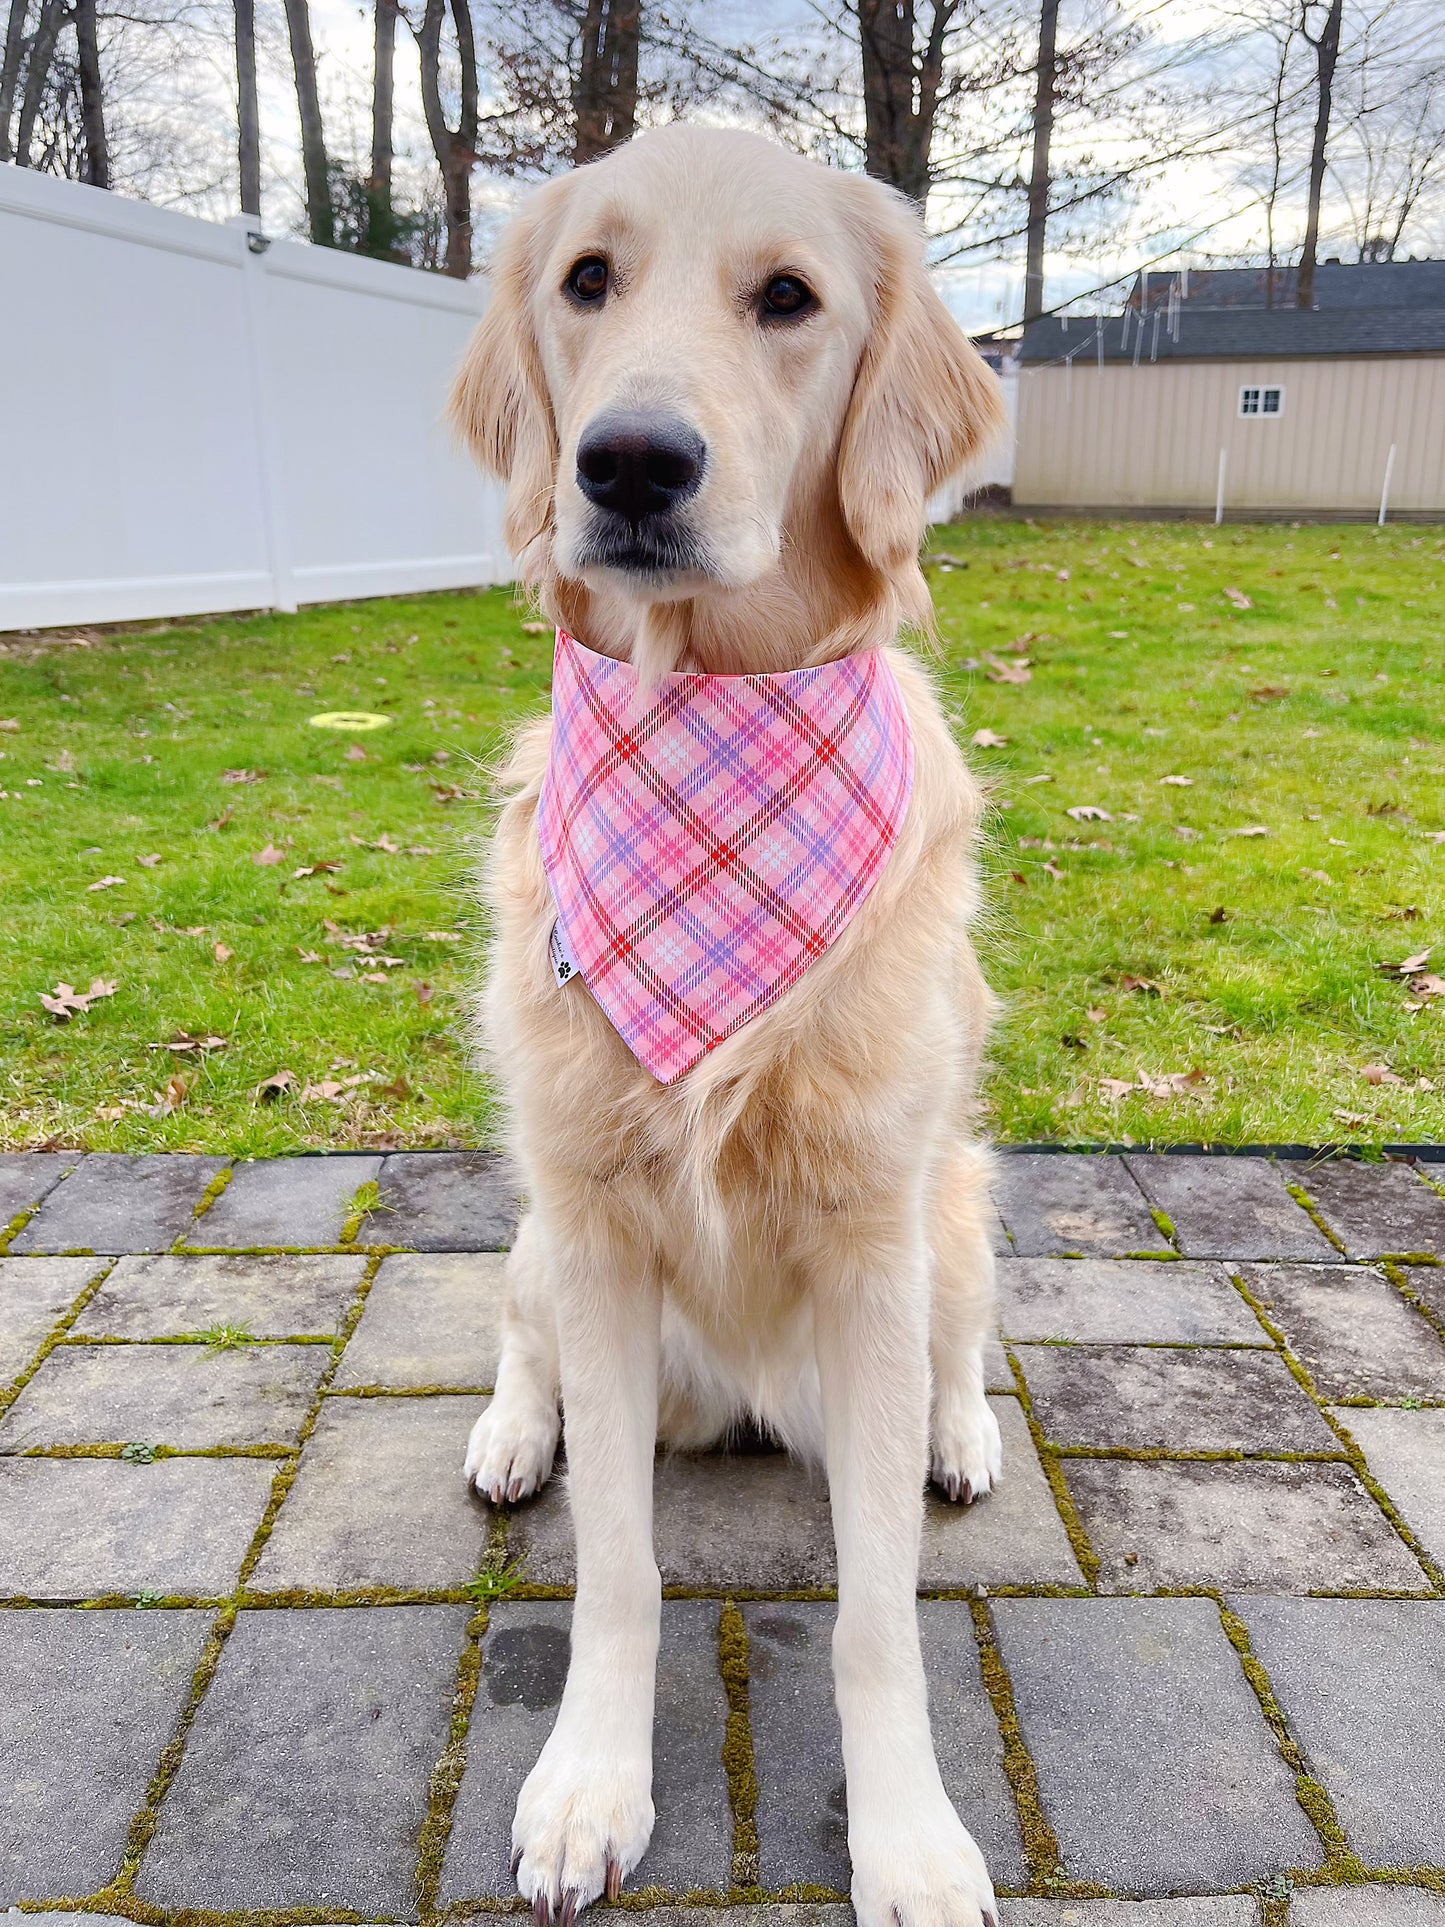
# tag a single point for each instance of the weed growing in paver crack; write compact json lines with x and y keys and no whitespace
{"x":495,"y":1582}
{"x":140,"y":1454}
{"x":222,"y":1338}
{"x":365,"y":1204}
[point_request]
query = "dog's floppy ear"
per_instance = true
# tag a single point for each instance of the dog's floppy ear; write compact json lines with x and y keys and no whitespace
{"x":924,"y":401}
{"x":500,"y":405}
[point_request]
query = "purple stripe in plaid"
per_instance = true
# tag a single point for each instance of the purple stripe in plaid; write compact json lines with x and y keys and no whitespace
{"x":705,"y":842}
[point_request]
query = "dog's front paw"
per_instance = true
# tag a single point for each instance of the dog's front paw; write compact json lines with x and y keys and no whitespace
{"x":510,"y":1451}
{"x":583,"y":1822}
{"x":967,"y":1449}
{"x":921,"y":1870}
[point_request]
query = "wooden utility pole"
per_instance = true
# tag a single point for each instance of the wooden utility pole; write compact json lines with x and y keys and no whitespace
{"x":1045,"y":89}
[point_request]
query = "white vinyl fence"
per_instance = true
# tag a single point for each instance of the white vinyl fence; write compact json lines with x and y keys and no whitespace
{"x":192,"y":419}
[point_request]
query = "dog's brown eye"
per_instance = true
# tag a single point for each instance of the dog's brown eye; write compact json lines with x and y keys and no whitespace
{"x":588,"y":279}
{"x":786,"y":296}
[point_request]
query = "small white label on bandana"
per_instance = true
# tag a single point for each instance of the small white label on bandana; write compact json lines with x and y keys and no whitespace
{"x":563,"y":968}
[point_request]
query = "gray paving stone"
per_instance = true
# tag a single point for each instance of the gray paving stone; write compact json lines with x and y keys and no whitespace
{"x":1255,"y":1527}
{"x":114,"y":1202}
{"x":449,"y":1200}
{"x":781,"y":1913}
{"x":89,"y":1528}
{"x":1155,"y":1765}
{"x":270,"y":1297}
{"x":1124,"y":1302}
{"x":380,"y":1500}
{"x":1014,"y":1536}
{"x":1362,"y":1684}
{"x":802,"y":1804}
{"x":61,"y":1917}
{"x":285,"y":1201}
{"x":186,"y":1396}
{"x":1054,"y":1203}
{"x":1406,"y":1453}
{"x":304,"y":1781}
{"x":28,"y":1176}
{"x":1175,"y":1399}
{"x":524,"y":1667}
{"x":1356,"y":1335}
{"x":35,"y":1293}
{"x":1428,"y":1284}
{"x":435,"y":1319}
{"x":1367,"y":1907}
{"x":1216,"y":1910}
{"x":90,"y":1701}
{"x":1229,"y":1207}
{"x":997,"y":1372}
{"x":1377,"y":1208}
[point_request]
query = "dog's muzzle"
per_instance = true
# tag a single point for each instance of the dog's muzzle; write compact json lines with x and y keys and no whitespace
{"x":638,"y":471}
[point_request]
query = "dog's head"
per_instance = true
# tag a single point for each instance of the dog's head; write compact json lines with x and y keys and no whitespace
{"x":703,"y":350}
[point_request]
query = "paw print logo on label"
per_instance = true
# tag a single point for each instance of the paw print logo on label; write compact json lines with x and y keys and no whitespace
{"x":563,"y":968}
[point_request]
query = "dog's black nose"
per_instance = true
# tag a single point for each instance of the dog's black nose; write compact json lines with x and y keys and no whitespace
{"x":639,"y":465}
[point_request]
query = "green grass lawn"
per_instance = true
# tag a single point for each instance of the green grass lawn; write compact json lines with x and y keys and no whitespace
{"x":1200,"y":963}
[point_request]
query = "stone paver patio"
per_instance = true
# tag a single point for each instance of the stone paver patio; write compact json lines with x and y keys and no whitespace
{"x":261,"y":1653}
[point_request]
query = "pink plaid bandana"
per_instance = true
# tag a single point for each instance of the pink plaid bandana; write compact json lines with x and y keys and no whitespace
{"x":705,"y":841}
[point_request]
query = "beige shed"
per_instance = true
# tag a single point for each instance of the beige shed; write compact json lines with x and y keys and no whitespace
{"x":1243,"y":412}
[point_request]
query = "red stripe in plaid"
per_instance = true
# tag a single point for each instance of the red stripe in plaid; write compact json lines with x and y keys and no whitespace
{"x":706,"y":841}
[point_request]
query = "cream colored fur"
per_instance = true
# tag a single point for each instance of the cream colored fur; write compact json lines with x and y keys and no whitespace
{"x":797,"y":1231}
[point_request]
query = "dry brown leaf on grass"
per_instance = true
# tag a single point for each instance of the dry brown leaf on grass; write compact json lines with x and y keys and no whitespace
{"x":1239,"y":598}
{"x":1253,"y":829}
{"x":1162,"y":1089}
{"x":222,"y":952}
{"x":1270,"y":693}
{"x":274,"y":1086}
{"x":356,"y":754}
{"x":441,"y":936}
{"x":1089,"y":813}
{"x":536,"y":628}
{"x":1019,"y":877}
{"x":1380,"y":1074}
{"x":1355,"y":1119}
{"x":220,"y":822}
{"x":176,"y":1092}
{"x":375,"y":976}
{"x":1178,"y":782}
{"x":1029,"y":781}
{"x":65,"y":1001}
{"x":314,"y":869}
{"x":103,"y":883}
{"x":420,"y":849}
{"x":9,"y":722}
{"x":183,"y":1041}
{"x":988,"y":739}
{"x":1145,"y":984}
{"x":997,"y":670}
{"x":425,"y":993}
{"x":1051,"y":869}
{"x":1425,"y":986}
{"x":310,"y":956}
{"x":150,"y":862}
{"x":269,"y":857}
{"x":243,"y":775}
{"x":1097,"y":1014}
{"x":1408,"y":965}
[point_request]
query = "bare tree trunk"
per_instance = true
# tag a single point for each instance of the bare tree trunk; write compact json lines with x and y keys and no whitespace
{"x":1046,"y":85}
{"x":37,"y":69}
{"x":380,"y":219}
{"x":10,"y":72}
{"x":248,"y":110}
{"x":456,"y":150}
{"x":900,"y":91}
{"x":320,"y":215}
{"x":604,"y":97}
{"x":92,"y":94}
{"x":1327,"y":54}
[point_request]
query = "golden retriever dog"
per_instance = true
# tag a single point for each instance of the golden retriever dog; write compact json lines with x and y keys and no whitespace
{"x":795,"y":1233}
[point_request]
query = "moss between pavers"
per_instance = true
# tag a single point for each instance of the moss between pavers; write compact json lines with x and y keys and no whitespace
{"x":737,"y":1754}
{"x":213,"y":1191}
{"x":1042,"y":1855}
{"x":1307,"y":1204}
{"x":447,"y":1774}
{"x":1393,"y":1268}
{"x":1089,"y":1561}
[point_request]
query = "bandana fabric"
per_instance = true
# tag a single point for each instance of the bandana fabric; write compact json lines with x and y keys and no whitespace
{"x":706,"y":840}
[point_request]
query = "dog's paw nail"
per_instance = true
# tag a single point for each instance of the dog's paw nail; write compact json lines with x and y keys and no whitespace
{"x":569,"y":1908}
{"x":614,"y":1879}
{"x":989,"y":1920}
{"x":965,"y":1492}
{"x":514,"y":1491}
{"x":516,"y":1861}
{"x":542,"y":1911}
{"x":952,"y":1490}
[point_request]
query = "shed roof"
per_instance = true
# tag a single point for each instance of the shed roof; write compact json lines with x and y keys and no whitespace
{"x":1238,"y":334}
{"x":1338,"y":284}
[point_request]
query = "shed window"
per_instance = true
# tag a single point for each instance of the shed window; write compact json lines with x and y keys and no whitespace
{"x":1261,"y":401}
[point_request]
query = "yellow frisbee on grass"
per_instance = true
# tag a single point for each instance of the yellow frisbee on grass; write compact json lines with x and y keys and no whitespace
{"x":351,"y":720}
